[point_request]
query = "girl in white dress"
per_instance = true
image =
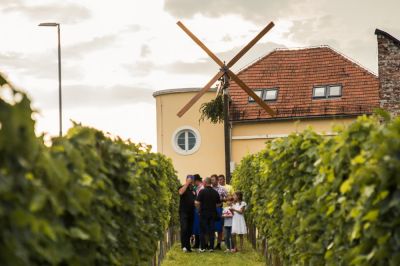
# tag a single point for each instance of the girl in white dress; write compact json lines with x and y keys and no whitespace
{"x":238,"y":223}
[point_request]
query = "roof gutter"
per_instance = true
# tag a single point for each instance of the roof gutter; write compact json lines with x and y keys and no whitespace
{"x":263,"y":120}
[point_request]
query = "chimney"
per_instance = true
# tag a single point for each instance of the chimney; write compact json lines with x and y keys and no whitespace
{"x":389,"y":72}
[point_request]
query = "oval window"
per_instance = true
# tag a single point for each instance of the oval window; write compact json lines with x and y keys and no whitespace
{"x":186,"y":141}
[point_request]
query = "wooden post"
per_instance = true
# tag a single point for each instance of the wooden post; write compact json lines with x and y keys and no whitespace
{"x":227,"y":134}
{"x":254,"y":237}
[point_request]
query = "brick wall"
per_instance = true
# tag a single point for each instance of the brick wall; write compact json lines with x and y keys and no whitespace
{"x":389,"y":72}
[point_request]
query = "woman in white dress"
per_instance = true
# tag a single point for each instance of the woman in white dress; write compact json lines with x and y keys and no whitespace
{"x":238,"y":223}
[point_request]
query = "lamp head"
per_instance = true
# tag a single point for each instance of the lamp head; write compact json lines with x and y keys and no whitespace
{"x":49,"y":24}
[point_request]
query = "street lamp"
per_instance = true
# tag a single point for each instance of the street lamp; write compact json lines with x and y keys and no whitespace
{"x":53,"y":24}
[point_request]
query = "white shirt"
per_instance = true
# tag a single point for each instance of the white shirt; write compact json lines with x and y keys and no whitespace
{"x":227,"y":220}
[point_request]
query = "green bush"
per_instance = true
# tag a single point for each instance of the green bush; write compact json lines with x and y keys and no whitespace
{"x":86,"y":199}
{"x":328,"y":201}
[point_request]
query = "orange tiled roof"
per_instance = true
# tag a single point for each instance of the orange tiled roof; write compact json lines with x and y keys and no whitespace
{"x":295,"y":73}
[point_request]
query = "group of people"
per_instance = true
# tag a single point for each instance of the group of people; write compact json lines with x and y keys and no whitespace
{"x":209,"y":207}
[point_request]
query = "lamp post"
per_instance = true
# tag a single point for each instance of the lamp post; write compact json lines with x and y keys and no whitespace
{"x":53,"y":24}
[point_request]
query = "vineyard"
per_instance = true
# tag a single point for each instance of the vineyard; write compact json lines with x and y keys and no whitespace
{"x":328,"y":201}
{"x":89,"y":199}
{"x":84,"y":199}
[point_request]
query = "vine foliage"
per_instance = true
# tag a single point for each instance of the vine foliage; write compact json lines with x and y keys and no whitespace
{"x":85,"y":199}
{"x":328,"y":201}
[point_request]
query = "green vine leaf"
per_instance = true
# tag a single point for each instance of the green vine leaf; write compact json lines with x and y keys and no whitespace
{"x":213,"y":110}
{"x":338,"y":205}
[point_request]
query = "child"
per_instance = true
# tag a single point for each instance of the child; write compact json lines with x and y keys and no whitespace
{"x":227,"y":215}
{"x":238,"y":222}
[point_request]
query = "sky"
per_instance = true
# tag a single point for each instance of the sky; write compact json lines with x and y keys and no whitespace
{"x":115,"y":54}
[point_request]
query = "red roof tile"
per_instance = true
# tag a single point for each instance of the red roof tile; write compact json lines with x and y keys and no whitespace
{"x":295,"y":73}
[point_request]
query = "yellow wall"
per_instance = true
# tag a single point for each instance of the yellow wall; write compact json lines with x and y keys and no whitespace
{"x":209,"y":158}
{"x":248,"y":138}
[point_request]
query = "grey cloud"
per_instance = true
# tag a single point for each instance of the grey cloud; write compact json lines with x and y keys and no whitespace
{"x":345,"y":25}
{"x":257,"y":51}
{"x":62,"y":13}
{"x":45,"y":65}
{"x":133,"y":28}
{"x":145,"y":50}
{"x":42,"y":66}
{"x":349,"y":27}
{"x":226,"y":38}
{"x":203,"y":66}
{"x":9,"y":3}
{"x":207,"y":66}
{"x":140,"y":68}
{"x":80,"y":95}
{"x":255,"y":10}
{"x":145,"y":67}
{"x":82,"y":48}
{"x":98,"y":96}
{"x":313,"y":31}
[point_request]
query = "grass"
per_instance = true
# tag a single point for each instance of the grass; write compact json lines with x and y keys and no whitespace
{"x":248,"y":256}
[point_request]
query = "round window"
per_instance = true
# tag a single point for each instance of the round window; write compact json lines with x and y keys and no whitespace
{"x":186,"y":140}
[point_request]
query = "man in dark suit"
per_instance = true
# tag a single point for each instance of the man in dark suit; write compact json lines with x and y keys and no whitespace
{"x":207,"y":201}
{"x":186,"y":212}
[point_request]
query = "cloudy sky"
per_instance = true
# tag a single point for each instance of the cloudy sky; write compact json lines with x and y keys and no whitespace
{"x":115,"y":54}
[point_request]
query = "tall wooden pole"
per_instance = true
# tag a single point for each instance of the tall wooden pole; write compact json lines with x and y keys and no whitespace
{"x":227,"y":134}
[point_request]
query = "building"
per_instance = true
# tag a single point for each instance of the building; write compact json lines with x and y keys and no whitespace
{"x":316,"y":87}
{"x":389,"y":71}
{"x":195,"y":147}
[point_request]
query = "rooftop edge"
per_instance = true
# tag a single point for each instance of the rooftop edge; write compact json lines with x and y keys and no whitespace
{"x":387,"y":35}
{"x":179,"y":90}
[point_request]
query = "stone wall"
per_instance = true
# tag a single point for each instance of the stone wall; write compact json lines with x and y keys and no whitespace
{"x":389,"y":72}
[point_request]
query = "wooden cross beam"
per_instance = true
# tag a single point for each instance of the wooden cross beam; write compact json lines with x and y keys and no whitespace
{"x":225,"y":69}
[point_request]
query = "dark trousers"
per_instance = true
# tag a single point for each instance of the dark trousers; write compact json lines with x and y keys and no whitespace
{"x":186,"y":220}
{"x":228,"y":237}
{"x":207,"y":228}
{"x":196,"y":241}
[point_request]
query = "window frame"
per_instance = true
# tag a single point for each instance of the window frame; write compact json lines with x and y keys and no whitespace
{"x":327,"y":91}
{"x":317,"y":87}
{"x":271,"y":89}
{"x":251,"y":100}
{"x":335,"y":85}
{"x":186,"y":130}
